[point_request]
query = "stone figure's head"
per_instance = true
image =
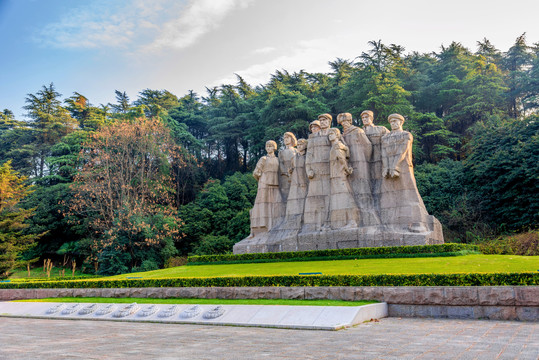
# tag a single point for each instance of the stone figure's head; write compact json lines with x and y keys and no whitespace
{"x":345,"y":119}
{"x":314,"y":126}
{"x":271,"y":146}
{"x":334,"y":134}
{"x":302,"y":146}
{"x":367,"y":117}
{"x":396,"y":121}
{"x":289,"y":139}
{"x":325,"y":120}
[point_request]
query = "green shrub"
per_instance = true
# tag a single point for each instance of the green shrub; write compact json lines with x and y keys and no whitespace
{"x":213,"y":245}
{"x":55,"y":278}
{"x":339,"y":257}
{"x":332,"y":253}
{"x":147,"y":265}
{"x":471,"y":279}
{"x":175,"y":261}
{"x":521,"y":244}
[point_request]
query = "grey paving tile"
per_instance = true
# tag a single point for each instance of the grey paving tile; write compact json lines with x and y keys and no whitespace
{"x":391,"y":338}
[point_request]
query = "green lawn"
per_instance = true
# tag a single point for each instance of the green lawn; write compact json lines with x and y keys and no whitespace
{"x":440,"y":265}
{"x":206,"y":301}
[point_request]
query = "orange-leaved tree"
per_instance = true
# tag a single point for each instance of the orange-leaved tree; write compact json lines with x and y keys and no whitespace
{"x":12,"y":239}
{"x":125,"y":191}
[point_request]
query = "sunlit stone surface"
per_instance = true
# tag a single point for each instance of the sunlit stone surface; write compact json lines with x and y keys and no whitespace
{"x":349,"y":190}
{"x":283,"y":316}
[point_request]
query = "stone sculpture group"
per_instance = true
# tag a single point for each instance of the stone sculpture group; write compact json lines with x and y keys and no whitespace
{"x":335,"y":190}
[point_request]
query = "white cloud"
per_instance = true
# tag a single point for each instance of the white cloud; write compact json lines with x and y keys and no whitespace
{"x":264,"y":50}
{"x":155,"y":24}
{"x":199,"y":18}
{"x":309,"y":55}
{"x":102,"y":24}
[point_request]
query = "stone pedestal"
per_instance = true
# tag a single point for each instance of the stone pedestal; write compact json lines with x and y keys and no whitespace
{"x":373,"y":236}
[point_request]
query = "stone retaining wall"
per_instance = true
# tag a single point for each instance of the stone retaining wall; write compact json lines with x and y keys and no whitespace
{"x":488,"y":302}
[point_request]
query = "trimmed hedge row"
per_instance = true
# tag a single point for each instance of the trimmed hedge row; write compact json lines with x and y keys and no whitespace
{"x":470,"y":279}
{"x":349,"y":253}
{"x":56,"y":278}
{"x":342,"y":257}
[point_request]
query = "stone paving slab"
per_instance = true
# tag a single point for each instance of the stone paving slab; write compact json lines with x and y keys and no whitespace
{"x":390,"y":338}
{"x":280,"y":316}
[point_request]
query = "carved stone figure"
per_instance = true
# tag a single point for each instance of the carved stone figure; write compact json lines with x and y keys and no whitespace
{"x":343,"y":210}
{"x":360,"y":154}
{"x":401,"y":205}
{"x":374,"y":133}
{"x":314,"y":126}
{"x":329,"y":203}
{"x":285,"y":161}
{"x":269,"y":206}
{"x":317,"y":167}
{"x":325,"y":124}
{"x":298,"y":188}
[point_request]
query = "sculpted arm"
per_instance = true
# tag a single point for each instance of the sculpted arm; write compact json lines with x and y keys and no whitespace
{"x":343,"y":159}
{"x":292,"y":166}
{"x":385,"y":160}
{"x":365,"y":142}
{"x":387,"y":163}
{"x":308,"y":162}
{"x":282,"y":167}
{"x":402,"y":155}
{"x":259,"y":169}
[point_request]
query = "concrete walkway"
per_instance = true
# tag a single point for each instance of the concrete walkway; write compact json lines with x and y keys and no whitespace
{"x":391,"y":338}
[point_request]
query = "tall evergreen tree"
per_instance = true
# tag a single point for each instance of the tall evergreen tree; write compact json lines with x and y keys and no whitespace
{"x":515,"y":62}
{"x":50,"y":122}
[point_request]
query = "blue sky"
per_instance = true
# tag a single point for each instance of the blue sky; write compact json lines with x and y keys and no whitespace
{"x":97,"y":46}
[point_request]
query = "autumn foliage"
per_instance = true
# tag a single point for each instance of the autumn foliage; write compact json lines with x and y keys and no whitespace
{"x":125,"y":191}
{"x":12,"y":219}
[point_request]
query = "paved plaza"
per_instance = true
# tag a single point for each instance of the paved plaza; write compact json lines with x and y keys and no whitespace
{"x":390,"y":338}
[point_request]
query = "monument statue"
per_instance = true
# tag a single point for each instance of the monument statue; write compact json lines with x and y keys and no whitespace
{"x":298,"y":188}
{"x":339,"y":191}
{"x":268,"y":207}
{"x":343,"y":209}
{"x":360,"y":179}
{"x":374,"y":133}
{"x":316,"y":212}
{"x":285,"y":161}
{"x":401,"y":204}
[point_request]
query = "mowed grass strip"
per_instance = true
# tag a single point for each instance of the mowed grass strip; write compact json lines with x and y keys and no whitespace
{"x":204,"y":301}
{"x":441,"y":265}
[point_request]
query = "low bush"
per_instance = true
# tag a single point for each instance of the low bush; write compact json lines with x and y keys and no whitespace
{"x":521,"y":244}
{"x":212,"y":244}
{"x":470,"y":279}
{"x":333,"y":254}
{"x":55,"y":278}
{"x":175,"y":261}
{"x":339,"y":257}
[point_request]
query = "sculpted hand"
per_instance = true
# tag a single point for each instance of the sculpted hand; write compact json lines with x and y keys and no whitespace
{"x":395,"y":173}
{"x":310,"y":174}
{"x":349,"y":170}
